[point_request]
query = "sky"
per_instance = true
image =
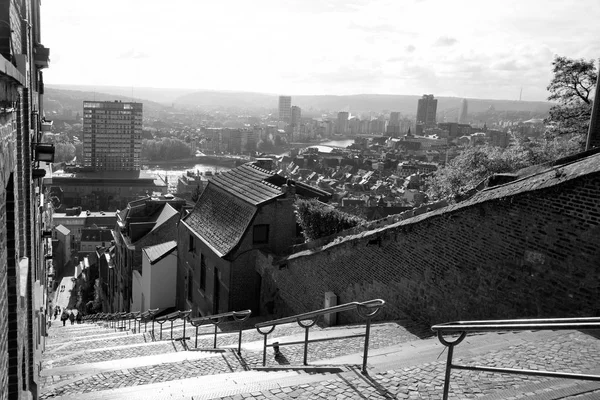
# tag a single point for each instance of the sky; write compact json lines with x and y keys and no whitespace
{"x":474,"y":49}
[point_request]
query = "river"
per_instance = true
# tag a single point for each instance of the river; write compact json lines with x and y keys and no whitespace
{"x":172,"y":174}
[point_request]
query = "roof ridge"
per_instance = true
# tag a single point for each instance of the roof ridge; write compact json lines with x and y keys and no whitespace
{"x":250,"y":164}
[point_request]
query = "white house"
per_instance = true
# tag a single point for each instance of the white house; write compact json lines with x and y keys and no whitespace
{"x":159,"y":276}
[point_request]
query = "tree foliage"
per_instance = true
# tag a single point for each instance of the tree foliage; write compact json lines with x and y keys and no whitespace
{"x":475,"y":164}
{"x":571,"y":87}
{"x":318,"y":220}
{"x":165,"y":149}
{"x":64,"y":152}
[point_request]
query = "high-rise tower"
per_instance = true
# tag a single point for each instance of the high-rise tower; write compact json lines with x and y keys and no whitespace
{"x":426,"y":110}
{"x":112,"y":135}
{"x":296,"y":116}
{"x":285,"y":109}
{"x":463,"y":111}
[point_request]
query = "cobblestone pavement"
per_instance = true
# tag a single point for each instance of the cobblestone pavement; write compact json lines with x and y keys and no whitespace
{"x":574,"y":352}
{"x":407,"y":379}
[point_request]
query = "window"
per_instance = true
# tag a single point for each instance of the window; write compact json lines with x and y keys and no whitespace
{"x":190,"y":296}
{"x":191,"y":244}
{"x":260,"y":234}
{"x":202,"y":272}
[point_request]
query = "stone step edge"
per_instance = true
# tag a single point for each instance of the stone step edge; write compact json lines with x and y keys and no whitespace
{"x":205,"y":387}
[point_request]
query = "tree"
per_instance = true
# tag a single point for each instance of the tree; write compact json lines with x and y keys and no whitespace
{"x":318,"y":220}
{"x":571,"y":87}
{"x":475,"y":164}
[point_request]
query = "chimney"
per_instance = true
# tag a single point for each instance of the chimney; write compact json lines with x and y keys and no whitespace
{"x":289,"y":188}
{"x":593,"y":137}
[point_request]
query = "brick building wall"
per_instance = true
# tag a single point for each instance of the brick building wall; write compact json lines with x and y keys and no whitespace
{"x":22,"y":271}
{"x":14,"y":344}
{"x":527,"y":253}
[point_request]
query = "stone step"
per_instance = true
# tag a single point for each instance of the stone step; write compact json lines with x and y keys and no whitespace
{"x":206,"y":387}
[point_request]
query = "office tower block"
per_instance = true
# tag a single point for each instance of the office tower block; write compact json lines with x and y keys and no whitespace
{"x":112,"y":135}
{"x":463,"y":111}
{"x":342,"y":122}
{"x":426,"y":110}
{"x":285,"y":109}
{"x":296,"y":116}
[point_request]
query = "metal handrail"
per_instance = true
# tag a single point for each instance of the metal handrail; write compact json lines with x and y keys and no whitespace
{"x":463,"y":327}
{"x":216,"y":320}
{"x":367,"y":309}
{"x":172,"y":317}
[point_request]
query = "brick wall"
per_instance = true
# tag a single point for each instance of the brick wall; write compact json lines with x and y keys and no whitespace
{"x":529,"y":254}
{"x":13,"y":338}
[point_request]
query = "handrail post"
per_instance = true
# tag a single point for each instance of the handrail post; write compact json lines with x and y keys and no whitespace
{"x":196,"y":344}
{"x":306,"y":345}
{"x":215,"y":341}
{"x":265,"y":350}
{"x":366,"y":351}
{"x":450,"y":345}
{"x":240,"y":342}
{"x":448,"y":370}
{"x":184,"y":327}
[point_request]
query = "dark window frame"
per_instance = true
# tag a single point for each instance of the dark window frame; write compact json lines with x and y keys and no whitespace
{"x":260,"y":237}
{"x":202,"y":273}
{"x":190,"y":284}
{"x":191,"y":244}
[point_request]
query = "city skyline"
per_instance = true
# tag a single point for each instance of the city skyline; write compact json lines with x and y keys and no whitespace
{"x":459,"y":49}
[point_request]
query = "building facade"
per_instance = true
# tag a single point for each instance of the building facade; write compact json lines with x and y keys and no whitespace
{"x":296,"y":116}
{"x":342,"y":122}
{"x":112,"y":135}
{"x":426,"y":110}
{"x":24,"y":214}
{"x":463,"y":112}
{"x":285,"y":109}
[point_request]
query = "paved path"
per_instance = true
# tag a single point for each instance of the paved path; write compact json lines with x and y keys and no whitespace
{"x":93,"y":362}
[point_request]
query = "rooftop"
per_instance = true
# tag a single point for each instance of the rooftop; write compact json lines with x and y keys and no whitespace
{"x":248,"y":183}
{"x":158,"y":252}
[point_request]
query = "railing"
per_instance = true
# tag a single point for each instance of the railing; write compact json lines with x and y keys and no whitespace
{"x":183,"y":315}
{"x":216,"y":320}
{"x":367,"y":310}
{"x":463,"y":327}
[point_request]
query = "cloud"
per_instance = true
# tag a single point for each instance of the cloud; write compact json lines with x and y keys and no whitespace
{"x":410,"y":48}
{"x":445,"y":41}
{"x":132,"y":54}
{"x":510,"y":65}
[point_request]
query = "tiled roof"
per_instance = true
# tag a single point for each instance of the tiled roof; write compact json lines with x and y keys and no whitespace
{"x":166,"y":213}
{"x":158,"y":252}
{"x":248,"y":183}
{"x":220,"y":219}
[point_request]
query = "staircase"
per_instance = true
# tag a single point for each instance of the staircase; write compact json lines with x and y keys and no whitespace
{"x":95,"y":361}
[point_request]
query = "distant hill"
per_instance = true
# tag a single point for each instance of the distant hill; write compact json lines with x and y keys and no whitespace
{"x":155,"y":98}
{"x":158,"y":95}
{"x":57,"y":100}
{"x":360,"y":103}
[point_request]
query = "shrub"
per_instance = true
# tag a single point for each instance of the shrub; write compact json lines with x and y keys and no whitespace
{"x":319,"y":220}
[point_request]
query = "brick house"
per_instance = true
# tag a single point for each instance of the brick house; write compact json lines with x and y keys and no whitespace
{"x":241,"y":212}
{"x":23,"y":216}
{"x":143,"y":223}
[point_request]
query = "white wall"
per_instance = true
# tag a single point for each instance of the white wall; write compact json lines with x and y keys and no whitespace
{"x":160,"y":283}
